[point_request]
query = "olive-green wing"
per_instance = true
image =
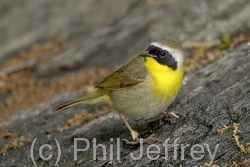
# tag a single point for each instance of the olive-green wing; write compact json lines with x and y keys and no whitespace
{"x":132,"y":74}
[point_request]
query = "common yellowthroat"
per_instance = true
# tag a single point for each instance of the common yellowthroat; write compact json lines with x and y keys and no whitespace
{"x":144,"y":87}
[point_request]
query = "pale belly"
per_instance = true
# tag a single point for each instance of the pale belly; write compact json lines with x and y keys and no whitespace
{"x":139,"y":102}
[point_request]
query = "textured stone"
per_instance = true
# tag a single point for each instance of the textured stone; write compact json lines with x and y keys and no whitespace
{"x":213,"y":97}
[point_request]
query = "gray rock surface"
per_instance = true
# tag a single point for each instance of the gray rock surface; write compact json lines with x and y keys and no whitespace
{"x":214,"y":96}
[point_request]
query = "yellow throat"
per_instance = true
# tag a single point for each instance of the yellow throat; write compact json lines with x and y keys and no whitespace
{"x":167,"y":82}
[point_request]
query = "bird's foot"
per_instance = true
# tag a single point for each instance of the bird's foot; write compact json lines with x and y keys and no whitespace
{"x":162,"y":115}
{"x":138,"y":141}
{"x":135,"y":135}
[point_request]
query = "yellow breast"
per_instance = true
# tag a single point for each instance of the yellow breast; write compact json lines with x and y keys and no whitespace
{"x":167,"y":82}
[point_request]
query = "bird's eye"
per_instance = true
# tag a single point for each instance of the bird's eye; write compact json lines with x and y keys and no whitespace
{"x":162,"y":54}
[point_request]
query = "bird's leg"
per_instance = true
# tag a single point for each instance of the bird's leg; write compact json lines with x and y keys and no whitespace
{"x":134,"y":134}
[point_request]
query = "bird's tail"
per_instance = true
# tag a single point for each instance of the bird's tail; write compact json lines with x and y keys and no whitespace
{"x":97,"y":97}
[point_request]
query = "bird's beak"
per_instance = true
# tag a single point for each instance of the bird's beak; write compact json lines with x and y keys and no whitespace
{"x":146,"y":54}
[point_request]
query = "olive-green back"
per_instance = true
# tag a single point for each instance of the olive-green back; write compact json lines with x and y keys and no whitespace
{"x":129,"y":75}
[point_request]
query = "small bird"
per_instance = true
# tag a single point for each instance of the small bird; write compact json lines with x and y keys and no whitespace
{"x":143,"y":88}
